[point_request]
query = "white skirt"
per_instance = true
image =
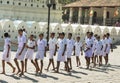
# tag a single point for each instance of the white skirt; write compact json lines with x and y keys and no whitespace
{"x":22,"y":56}
{"x":4,"y":56}
{"x":29,"y":54}
{"x":88,"y":53}
{"x":60,"y":57}
{"x":69,"y":53}
{"x":51,"y":54}
{"x":40,"y":55}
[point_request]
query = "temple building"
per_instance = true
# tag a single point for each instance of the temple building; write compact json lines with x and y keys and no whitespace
{"x":30,"y":10}
{"x":102,"y":12}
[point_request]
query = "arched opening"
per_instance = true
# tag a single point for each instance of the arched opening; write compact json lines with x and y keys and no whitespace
{"x":95,"y":17}
{"x":108,"y":14}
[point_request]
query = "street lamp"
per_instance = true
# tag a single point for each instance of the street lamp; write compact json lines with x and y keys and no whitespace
{"x":49,"y":4}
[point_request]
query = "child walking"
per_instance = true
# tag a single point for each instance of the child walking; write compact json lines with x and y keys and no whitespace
{"x":41,"y":53}
{"x":30,"y":51}
{"x":20,"y":55}
{"x":52,"y":50}
{"x":78,"y":50}
{"x":7,"y":53}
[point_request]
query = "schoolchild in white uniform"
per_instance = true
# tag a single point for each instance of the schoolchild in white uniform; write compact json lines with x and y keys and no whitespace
{"x":52,"y":50}
{"x":24,"y":32}
{"x":41,"y":52}
{"x":98,"y":49}
{"x":69,"y":49}
{"x":61,"y":57}
{"x":30,"y":51}
{"x":104,"y":42}
{"x":93,"y":48}
{"x":77,"y":50}
{"x":20,"y":55}
{"x":88,"y":50}
{"x":87,"y":34}
{"x":108,"y":47}
{"x":7,"y":53}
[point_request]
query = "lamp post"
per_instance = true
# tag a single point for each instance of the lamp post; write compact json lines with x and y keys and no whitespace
{"x":49,"y":4}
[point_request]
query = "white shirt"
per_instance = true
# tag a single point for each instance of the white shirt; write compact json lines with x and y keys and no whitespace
{"x":98,"y":45}
{"x":61,"y":44}
{"x":52,"y":43}
{"x":30,"y":43}
{"x":89,"y":42}
{"x":78,"y":46}
{"x":6,"y":43}
{"x":21,"y":41}
{"x":109,"y":42}
{"x":41,"y":45}
{"x":70,"y":44}
{"x":24,"y":33}
{"x":104,"y":42}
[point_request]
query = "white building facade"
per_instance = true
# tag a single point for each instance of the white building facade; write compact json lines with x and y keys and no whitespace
{"x":29,"y":10}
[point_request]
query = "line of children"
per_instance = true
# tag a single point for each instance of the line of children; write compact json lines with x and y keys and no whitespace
{"x":93,"y":48}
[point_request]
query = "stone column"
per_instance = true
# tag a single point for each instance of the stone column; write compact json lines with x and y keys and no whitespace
{"x":86,"y":14}
{"x":71,"y":14}
{"x":104,"y":15}
{"x":91,"y":15}
{"x":79,"y":15}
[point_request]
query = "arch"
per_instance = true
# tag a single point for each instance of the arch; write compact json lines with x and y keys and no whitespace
{"x":56,"y":28}
{"x":67,"y":28}
{"x":44,"y":26}
{"x":35,"y":29}
{"x":105,"y":30}
{"x":97,"y":31}
{"x":113,"y":32}
{"x":8,"y":26}
{"x":88,"y":29}
{"x":78,"y":31}
{"x":19,"y":24}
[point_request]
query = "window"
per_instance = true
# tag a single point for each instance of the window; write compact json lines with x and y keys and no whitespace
{"x":25,"y":4}
{"x":0,"y":1}
{"x":37,"y":5}
{"x":43,"y":6}
{"x":31,"y":5}
{"x":19,"y":3}
{"x":8,"y":2}
{"x":13,"y":3}
{"x":54,"y":6}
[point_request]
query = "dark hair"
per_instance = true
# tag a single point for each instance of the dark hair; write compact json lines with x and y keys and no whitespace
{"x":88,"y":32}
{"x":91,"y":33}
{"x":63,"y":33}
{"x":70,"y":34}
{"x":98,"y":37}
{"x":20,"y":30}
{"x":78,"y":37}
{"x":41,"y":34}
{"x":23,"y":29}
{"x":32,"y":35}
{"x":95,"y":35}
{"x":108,"y":34}
{"x":52,"y":33}
{"x":6,"y":35}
